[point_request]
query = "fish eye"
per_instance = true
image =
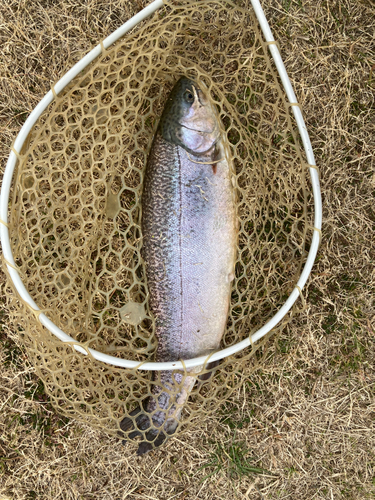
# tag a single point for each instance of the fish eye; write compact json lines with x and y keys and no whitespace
{"x":189,"y":96}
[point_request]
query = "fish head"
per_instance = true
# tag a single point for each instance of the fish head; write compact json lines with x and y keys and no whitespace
{"x":188,"y":119}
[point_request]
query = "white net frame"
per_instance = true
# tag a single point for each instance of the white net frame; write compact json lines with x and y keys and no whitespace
{"x":15,"y":154}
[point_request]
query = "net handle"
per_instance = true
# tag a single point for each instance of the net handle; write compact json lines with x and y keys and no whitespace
{"x":46,"y":101}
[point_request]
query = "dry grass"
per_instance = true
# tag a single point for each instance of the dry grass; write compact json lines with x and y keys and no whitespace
{"x":307,"y":416}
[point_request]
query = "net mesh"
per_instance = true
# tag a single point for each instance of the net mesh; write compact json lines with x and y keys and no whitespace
{"x":74,"y":218}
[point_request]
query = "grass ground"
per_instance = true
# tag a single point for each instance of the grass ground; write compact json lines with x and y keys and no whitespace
{"x":303,"y":427}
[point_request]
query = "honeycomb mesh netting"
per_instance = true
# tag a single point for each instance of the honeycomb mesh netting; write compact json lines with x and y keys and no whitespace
{"x":74,"y":219}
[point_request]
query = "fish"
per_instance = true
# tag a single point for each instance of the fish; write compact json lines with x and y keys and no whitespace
{"x":189,"y":233}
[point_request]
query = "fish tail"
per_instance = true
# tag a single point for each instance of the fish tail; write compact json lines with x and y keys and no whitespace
{"x":149,"y":428}
{"x":152,"y":425}
{"x":158,"y":417}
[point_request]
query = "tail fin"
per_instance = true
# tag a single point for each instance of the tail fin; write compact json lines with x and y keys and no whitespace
{"x":153,"y":438}
{"x":160,"y":413}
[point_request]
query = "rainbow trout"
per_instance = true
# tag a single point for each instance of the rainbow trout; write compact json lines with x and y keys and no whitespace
{"x":189,"y":248}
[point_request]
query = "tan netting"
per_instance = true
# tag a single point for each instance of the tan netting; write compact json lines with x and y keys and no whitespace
{"x":74,"y":221}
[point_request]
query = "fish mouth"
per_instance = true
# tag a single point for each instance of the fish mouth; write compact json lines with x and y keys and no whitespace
{"x":200,"y":131}
{"x":210,"y":147}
